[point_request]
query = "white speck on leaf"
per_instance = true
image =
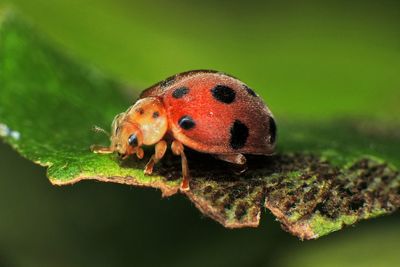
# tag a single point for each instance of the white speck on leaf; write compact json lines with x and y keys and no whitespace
{"x":16,"y":135}
{"x":5,"y":131}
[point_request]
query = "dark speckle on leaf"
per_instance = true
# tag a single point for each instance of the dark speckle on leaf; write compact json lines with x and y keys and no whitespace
{"x":240,"y":211}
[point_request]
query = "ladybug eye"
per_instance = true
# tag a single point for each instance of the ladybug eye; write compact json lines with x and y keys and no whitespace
{"x":132,"y":140}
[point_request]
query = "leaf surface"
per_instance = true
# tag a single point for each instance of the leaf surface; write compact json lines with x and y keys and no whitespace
{"x":325,"y":174}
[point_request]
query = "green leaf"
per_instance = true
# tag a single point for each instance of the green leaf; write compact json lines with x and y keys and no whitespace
{"x":51,"y":104}
{"x":325,"y":174}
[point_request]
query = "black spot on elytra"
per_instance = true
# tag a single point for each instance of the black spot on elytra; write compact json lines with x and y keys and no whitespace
{"x":180,"y":92}
{"x":168,"y":82}
{"x":223,"y":94}
{"x":250,"y":91}
{"x":239,"y":134}
{"x":186,"y":122}
{"x":272,"y":130}
{"x":156,"y":114}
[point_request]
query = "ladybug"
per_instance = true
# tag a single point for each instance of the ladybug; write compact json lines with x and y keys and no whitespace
{"x":207,"y":111}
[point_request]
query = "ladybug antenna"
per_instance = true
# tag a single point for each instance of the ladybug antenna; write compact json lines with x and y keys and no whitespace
{"x":98,"y":129}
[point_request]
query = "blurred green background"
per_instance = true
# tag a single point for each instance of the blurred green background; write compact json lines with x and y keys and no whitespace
{"x":315,"y":60}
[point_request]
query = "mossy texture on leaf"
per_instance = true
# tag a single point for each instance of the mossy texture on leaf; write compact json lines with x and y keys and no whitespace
{"x":324,"y":176}
{"x":310,"y":196}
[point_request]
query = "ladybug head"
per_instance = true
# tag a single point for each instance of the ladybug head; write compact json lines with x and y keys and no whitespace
{"x":145,"y":123}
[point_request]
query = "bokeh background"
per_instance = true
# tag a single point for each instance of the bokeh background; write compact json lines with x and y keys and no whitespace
{"x":308,"y":59}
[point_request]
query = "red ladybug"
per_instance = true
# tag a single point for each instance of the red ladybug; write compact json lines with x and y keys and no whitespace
{"x":207,"y":111}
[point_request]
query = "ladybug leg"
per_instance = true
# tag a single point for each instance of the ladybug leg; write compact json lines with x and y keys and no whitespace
{"x":139,"y":153}
{"x":101,"y":149}
{"x":238,"y":158}
{"x":177,"y":148}
{"x":160,"y":149}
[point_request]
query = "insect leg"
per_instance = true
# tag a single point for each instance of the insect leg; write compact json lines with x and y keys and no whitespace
{"x":160,"y":149}
{"x":238,"y":158}
{"x":177,"y":148}
{"x":101,"y":149}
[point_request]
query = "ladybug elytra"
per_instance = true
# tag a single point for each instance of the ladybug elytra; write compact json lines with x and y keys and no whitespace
{"x":207,"y":111}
